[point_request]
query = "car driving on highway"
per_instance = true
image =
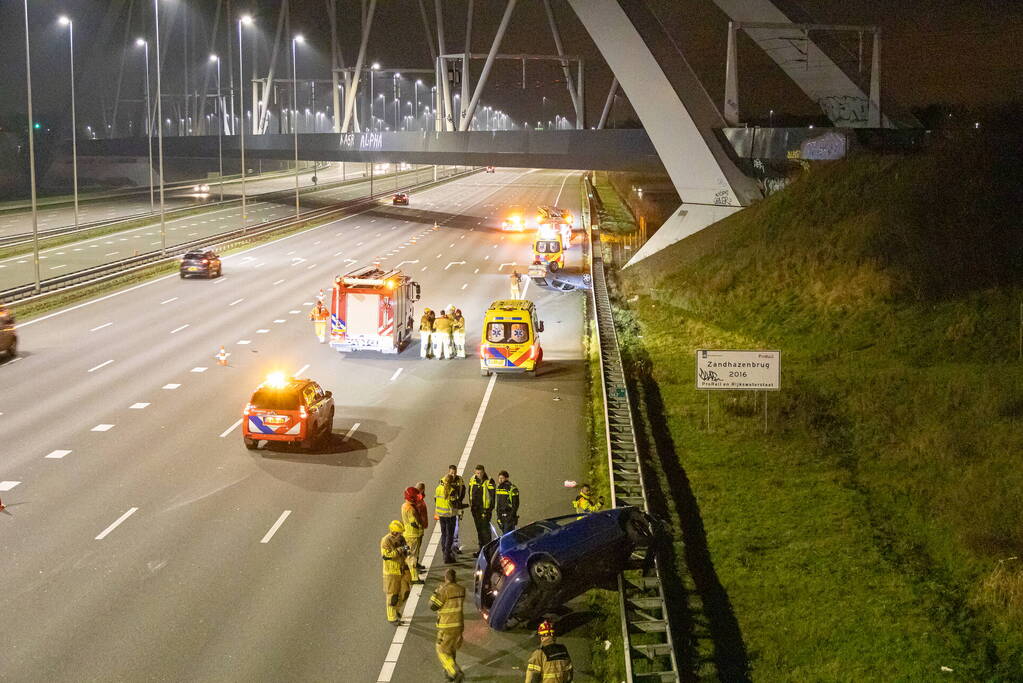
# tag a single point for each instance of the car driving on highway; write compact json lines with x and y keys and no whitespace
{"x":8,"y":337}
{"x":400,"y":198}
{"x":201,"y":188}
{"x":289,"y":410}
{"x":542,"y":565}
{"x":204,"y":263}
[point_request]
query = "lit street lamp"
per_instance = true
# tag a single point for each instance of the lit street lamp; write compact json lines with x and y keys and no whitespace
{"x":294,"y":94}
{"x":396,"y":103}
{"x":159,"y":130}
{"x":220,"y":129}
{"x":31,"y":151}
{"x":418,"y":83}
{"x":65,"y":21}
{"x":247,"y":21}
{"x":373,"y":67}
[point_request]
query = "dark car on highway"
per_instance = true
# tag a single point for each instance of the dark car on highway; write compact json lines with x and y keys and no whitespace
{"x":542,"y":565}
{"x":400,"y":198}
{"x":203,"y":263}
{"x":8,"y":337}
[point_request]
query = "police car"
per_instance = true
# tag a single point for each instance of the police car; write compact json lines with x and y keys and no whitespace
{"x":288,"y":410}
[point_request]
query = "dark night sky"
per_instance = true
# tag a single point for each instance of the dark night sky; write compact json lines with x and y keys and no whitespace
{"x":963,"y":52}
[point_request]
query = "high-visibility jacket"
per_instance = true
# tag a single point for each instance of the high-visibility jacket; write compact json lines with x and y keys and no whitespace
{"x":507,"y":499}
{"x":585,"y":504}
{"x":458,"y":491}
{"x":442,"y":325}
{"x":549,"y":663}
{"x":394,"y":562}
{"x":458,"y":324}
{"x":447,"y":601}
{"x":481,"y":494}
{"x":425,"y":324}
{"x":409,"y":517}
{"x":442,"y":506}
{"x":319,"y":315}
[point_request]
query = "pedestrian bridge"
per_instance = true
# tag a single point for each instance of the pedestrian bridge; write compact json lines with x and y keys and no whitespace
{"x":609,"y":149}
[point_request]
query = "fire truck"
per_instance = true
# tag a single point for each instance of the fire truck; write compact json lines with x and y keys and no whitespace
{"x":552,"y":221}
{"x":372,"y":310}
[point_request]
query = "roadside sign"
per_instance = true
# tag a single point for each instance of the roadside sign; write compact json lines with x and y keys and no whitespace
{"x":738,"y":370}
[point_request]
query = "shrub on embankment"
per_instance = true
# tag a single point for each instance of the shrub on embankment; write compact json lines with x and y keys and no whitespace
{"x":876,"y":531}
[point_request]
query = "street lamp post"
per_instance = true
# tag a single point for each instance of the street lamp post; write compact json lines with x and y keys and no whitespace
{"x":159,"y":130}
{"x":31,"y":152}
{"x":65,"y":21}
{"x":372,"y":102}
{"x":294,"y":95}
{"x":247,"y":21}
{"x":418,"y":83}
{"x":220,"y":129}
{"x":397,"y":108}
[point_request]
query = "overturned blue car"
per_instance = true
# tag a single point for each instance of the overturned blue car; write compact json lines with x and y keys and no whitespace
{"x":541,"y":566}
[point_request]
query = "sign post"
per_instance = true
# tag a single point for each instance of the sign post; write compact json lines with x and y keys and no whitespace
{"x":732,"y":370}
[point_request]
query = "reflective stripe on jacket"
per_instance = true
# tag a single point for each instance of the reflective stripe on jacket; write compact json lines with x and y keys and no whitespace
{"x":413,"y":529}
{"x":447,"y":601}
{"x":481,"y":494}
{"x":507,"y":495}
{"x":584,"y":504}
{"x":550,"y":663}
{"x":394,"y":561}
{"x":442,"y":503}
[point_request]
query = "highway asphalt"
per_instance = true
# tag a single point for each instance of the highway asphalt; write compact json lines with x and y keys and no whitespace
{"x":68,"y":258}
{"x":143,"y":542}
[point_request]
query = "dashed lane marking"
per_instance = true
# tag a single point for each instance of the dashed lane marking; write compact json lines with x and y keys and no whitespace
{"x":102,"y":428}
{"x":178,"y":329}
{"x":131,"y":511}
{"x":100,"y":327}
{"x":276,"y":526}
{"x":101,"y":365}
{"x":396,"y":373}
{"x":138,"y":406}
{"x":351,"y":431}
{"x":58,"y":454}
{"x":223,"y":434}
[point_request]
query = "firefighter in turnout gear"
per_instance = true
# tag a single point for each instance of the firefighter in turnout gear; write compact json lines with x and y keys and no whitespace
{"x":586,"y":502}
{"x":458,"y":505}
{"x":447,"y":601}
{"x":442,"y":337}
{"x":425,"y":333}
{"x":393,"y":551}
{"x":481,"y":503}
{"x":549,"y":663}
{"x":507,"y":503}
{"x":413,"y":531}
{"x":458,"y":332}
{"x":320,"y":317}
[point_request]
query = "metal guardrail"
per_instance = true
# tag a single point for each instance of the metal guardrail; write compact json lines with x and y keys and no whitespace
{"x":221,"y":241}
{"x":646,"y":631}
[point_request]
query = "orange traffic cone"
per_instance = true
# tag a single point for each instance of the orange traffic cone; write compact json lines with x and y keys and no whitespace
{"x":2,"y":506}
{"x":221,"y":356}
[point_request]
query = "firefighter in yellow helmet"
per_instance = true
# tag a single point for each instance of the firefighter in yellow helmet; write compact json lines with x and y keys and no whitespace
{"x":458,"y":332}
{"x":447,"y":601}
{"x":443,"y":344}
{"x":549,"y":663}
{"x":425,"y":333}
{"x":397,"y":585}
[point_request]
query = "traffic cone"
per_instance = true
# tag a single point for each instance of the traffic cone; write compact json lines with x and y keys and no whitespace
{"x":221,"y":356}
{"x":2,"y":506}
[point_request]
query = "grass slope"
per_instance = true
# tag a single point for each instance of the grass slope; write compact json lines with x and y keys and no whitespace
{"x":876,"y":531}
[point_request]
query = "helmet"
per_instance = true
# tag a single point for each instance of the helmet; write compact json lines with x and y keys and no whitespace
{"x":427,"y":311}
{"x":396,"y":527}
{"x":545,"y":629}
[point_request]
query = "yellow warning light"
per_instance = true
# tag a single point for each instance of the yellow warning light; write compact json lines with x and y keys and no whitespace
{"x":389,"y":284}
{"x":276,"y":380}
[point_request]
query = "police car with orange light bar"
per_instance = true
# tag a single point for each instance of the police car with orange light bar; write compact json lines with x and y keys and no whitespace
{"x":288,"y":410}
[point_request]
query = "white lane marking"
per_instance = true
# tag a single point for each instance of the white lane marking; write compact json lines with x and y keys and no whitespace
{"x":487,"y":257}
{"x":567,"y":176}
{"x":454,"y":263}
{"x":431,"y":550}
{"x":396,"y":373}
{"x":244,"y":341}
{"x":173,"y":298}
{"x":279,"y":321}
{"x":263,"y":331}
{"x":278,"y":282}
{"x":102,"y":428}
{"x":236,"y":301}
{"x":198,"y":369}
{"x":424,"y":268}
{"x":310,"y":267}
{"x":526,"y":287}
{"x":307,"y":303}
{"x":351,"y":431}
{"x":439,"y":255}
{"x":293,"y":312}
{"x":178,"y":329}
{"x":58,"y":454}
{"x":117,"y":522}
{"x":100,"y":327}
{"x":231,"y":428}
{"x":63,"y":265}
{"x":113,"y":253}
{"x":476,"y":272}
{"x":404,"y":262}
{"x":338,"y":253}
{"x":301,"y":370}
{"x":8,"y":485}
{"x":138,"y":406}
{"x":219,"y":280}
{"x":465,"y":285}
{"x":101,"y":365}
{"x":276,"y":526}
{"x":171,"y":387}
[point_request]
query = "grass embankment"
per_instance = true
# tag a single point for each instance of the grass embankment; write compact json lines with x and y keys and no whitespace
{"x":617,"y":218}
{"x":876,"y":531}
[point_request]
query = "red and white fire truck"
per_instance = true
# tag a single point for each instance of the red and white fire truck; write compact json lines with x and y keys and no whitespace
{"x":372,"y":310}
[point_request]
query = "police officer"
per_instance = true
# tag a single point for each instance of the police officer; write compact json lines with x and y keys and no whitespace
{"x":425,"y":333}
{"x":481,"y":503}
{"x":507,"y":503}
{"x":442,"y":337}
{"x":413,"y":530}
{"x":549,"y":663}
{"x":586,"y":502}
{"x":393,"y":551}
{"x":444,"y":511}
{"x":447,"y":602}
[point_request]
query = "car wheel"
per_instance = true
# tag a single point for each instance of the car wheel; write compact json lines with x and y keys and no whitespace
{"x":639,"y":530}
{"x":554,"y":267}
{"x":182,"y":276}
{"x":485,"y":372}
{"x":545,"y":572}
{"x":251,"y":444}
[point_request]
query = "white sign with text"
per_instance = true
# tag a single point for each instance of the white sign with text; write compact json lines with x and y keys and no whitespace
{"x":738,"y":370}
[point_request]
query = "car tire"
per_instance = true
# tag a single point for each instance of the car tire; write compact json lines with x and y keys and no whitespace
{"x":639,"y":530}
{"x":485,"y":373}
{"x":251,"y":444}
{"x":182,"y":276}
{"x":545,"y":572}
{"x":554,"y":267}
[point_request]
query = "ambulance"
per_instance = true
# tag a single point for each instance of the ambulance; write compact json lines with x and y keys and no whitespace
{"x":288,"y":410}
{"x":372,"y":310}
{"x":549,"y":251}
{"x":511,"y":338}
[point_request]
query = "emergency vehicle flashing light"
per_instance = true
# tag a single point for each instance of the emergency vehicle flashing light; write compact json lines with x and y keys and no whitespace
{"x":276,"y":380}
